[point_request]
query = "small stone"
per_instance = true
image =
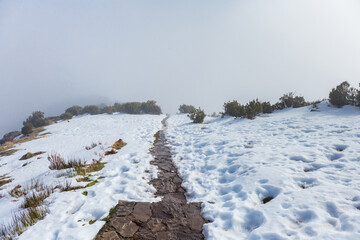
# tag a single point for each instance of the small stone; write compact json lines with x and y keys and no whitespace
{"x":142,"y":211}
{"x":110,"y":236}
{"x":124,"y":226}
{"x":155,"y":225}
{"x":196,"y":223}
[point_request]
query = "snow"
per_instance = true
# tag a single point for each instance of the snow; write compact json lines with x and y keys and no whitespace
{"x":308,"y":162}
{"x":124,"y":176}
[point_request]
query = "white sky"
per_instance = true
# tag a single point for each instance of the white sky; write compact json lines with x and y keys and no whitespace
{"x":54,"y":54}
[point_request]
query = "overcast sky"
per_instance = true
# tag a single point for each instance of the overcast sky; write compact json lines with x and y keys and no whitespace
{"x":54,"y":54}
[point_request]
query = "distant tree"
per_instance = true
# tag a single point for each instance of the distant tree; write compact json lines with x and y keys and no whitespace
{"x":290,"y":100}
{"x":186,"y":108}
{"x":74,"y":110}
{"x":107,"y":109}
{"x":91,"y":109}
{"x":339,"y":96}
{"x":37,"y":119}
{"x":27,"y":128}
{"x":150,"y":107}
{"x":198,"y":116}
{"x":132,"y":107}
{"x":66,"y":116}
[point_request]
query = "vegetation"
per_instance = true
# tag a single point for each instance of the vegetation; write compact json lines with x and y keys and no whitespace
{"x":66,"y":116}
{"x":198,"y":116}
{"x":30,"y":155}
{"x":149,"y":107}
{"x":57,"y":162}
{"x":253,"y":108}
{"x":187,"y":108}
{"x":27,"y":129}
{"x":266,"y":107}
{"x":91,"y":109}
{"x":119,"y":144}
{"x":74,"y":110}
{"x":233,"y":109}
{"x":343,"y":95}
{"x":37,"y":119}
{"x":107,"y":109}
{"x":4,"y":179}
{"x":290,"y":100}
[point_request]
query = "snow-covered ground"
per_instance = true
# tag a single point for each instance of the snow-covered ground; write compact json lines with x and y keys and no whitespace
{"x":307,"y":161}
{"x":124,"y":175}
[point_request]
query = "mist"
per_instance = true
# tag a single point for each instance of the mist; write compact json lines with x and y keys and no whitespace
{"x":55,"y":54}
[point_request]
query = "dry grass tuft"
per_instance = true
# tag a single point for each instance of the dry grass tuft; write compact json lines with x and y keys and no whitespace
{"x":57,"y":162}
{"x":30,"y":155}
{"x":20,"y":221}
{"x":4,"y":179}
{"x":119,"y":144}
{"x":110,"y":152}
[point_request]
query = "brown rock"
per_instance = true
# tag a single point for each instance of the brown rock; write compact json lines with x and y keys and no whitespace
{"x":124,"y":226}
{"x":165,"y":236}
{"x":144,"y":234}
{"x":124,"y":208}
{"x":110,"y":236}
{"x":156,"y":225}
{"x":142,"y":211}
{"x":196,"y":223}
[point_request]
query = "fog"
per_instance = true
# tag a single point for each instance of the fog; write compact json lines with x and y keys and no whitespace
{"x":54,"y":54}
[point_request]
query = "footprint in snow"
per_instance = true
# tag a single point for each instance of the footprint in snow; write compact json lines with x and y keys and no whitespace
{"x":253,"y":220}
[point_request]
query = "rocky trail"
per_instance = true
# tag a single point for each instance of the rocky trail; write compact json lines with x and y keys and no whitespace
{"x":171,"y":218}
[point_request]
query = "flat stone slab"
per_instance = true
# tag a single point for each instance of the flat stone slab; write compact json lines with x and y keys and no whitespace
{"x":170,"y":219}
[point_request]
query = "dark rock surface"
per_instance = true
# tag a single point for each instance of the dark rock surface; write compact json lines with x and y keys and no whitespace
{"x":170,"y":219}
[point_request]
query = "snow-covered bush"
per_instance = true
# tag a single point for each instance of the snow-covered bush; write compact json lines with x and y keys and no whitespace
{"x":197,"y":116}
{"x":186,"y":108}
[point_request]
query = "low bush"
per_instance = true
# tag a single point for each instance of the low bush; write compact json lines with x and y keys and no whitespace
{"x":74,"y":110}
{"x":198,"y":116}
{"x":107,"y":109}
{"x":57,"y":162}
{"x":266,"y":107}
{"x":253,"y":108}
{"x":187,"y":108}
{"x":66,"y":116}
{"x":150,"y":107}
{"x":37,"y":119}
{"x":343,"y":95}
{"x":91,"y":109}
{"x":233,"y":109}
{"x":27,"y":129}
{"x":290,"y":100}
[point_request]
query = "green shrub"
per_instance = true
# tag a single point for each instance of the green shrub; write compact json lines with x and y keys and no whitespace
{"x":197,"y":116}
{"x":234,"y":109}
{"x":74,"y":110}
{"x":37,"y":119}
{"x":66,"y":116}
{"x":91,"y":109}
{"x":27,"y":128}
{"x":343,"y":94}
{"x":107,"y":109}
{"x":187,"y":108}
{"x":150,"y":107}
{"x":118,"y":107}
{"x":290,"y":100}
{"x":266,"y":107}
{"x":253,"y":108}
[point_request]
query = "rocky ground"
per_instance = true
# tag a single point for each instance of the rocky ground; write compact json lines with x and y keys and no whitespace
{"x":171,"y":218}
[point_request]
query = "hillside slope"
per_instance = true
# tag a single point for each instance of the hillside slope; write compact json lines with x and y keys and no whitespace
{"x":76,"y":214}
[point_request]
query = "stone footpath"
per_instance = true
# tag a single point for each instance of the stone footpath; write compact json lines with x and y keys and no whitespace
{"x":172,"y":218}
